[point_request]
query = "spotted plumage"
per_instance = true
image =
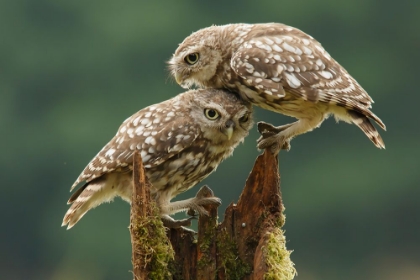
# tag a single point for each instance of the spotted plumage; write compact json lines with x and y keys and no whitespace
{"x":279,"y":68}
{"x":181,"y":141}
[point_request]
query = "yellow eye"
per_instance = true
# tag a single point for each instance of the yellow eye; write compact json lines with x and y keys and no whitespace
{"x":244,"y":118}
{"x":192,"y":58}
{"x":211,"y":114}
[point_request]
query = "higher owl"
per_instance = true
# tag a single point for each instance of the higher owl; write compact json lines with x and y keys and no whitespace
{"x":181,"y":141}
{"x":279,"y":68}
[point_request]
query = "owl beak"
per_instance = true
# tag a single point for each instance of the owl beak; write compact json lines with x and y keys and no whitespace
{"x":229,"y":127}
{"x":179,"y":78}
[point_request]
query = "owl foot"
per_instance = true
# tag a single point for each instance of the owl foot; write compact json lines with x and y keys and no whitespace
{"x":193,"y":205}
{"x":273,"y":142}
{"x":204,"y":196}
{"x":169,"y":222}
{"x":272,"y":137}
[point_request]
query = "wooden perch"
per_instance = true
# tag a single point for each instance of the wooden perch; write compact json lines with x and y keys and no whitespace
{"x":248,"y":244}
{"x":151,"y":250}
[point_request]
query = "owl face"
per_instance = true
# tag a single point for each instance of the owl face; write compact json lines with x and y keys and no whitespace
{"x":224,"y":117}
{"x":197,"y":58}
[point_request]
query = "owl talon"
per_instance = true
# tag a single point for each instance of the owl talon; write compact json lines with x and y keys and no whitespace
{"x":271,"y":137}
{"x":286,"y":145}
{"x":192,"y":213}
{"x":274,"y":143}
{"x":198,"y":203}
{"x":203,"y":193}
{"x":172,"y":223}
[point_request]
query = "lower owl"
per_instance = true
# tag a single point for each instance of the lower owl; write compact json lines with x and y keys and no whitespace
{"x":181,"y":141}
{"x":279,"y":68}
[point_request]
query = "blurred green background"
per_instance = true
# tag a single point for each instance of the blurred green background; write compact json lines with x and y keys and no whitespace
{"x":72,"y":71}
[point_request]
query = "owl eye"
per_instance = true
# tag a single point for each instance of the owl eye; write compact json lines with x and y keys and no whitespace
{"x":191,"y":58}
{"x":211,"y":114}
{"x":244,"y":118}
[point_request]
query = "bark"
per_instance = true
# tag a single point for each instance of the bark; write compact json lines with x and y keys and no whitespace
{"x":248,"y":244}
{"x":140,"y":210}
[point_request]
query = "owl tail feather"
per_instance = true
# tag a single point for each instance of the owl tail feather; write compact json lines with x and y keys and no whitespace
{"x":366,"y":126}
{"x":87,"y":197}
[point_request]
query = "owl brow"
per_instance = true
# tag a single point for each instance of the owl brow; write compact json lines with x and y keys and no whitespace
{"x":244,"y":112}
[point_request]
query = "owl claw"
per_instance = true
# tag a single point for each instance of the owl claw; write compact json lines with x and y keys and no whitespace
{"x":198,"y":203}
{"x":171,"y":223}
{"x":274,"y":143}
{"x":272,"y":138}
{"x":192,"y":213}
{"x":204,"y":196}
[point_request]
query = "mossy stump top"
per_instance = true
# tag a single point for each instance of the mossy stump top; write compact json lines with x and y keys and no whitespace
{"x":248,"y":244}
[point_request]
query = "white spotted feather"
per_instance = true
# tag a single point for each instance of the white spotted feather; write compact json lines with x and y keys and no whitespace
{"x":179,"y":146}
{"x":279,"y":68}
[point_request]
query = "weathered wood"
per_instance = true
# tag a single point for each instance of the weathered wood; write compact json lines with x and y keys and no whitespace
{"x":258,"y":205}
{"x":140,"y":210}
{"x":260,"y":267}
{"x":151,"y":250}
{"x":206,"y":241}
{"x":183,"y":267}
{"x":248,"y":244}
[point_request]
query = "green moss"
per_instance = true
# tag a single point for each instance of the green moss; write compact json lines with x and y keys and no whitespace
{"x":280,"y":221}
{"x":205,"y":244}
{"x":228,"y":257}
{"x":205,"y":247}
{"x":277,"y":257}
{"x":207,"y":239}
{"x":175,"y":270}
{"x":153,"y":245}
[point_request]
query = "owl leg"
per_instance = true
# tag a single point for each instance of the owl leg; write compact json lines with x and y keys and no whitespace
{"x":276,"y":141}
{"x":191,"y":204}
{"x":268,"y":130}
{"x":170,"y":222}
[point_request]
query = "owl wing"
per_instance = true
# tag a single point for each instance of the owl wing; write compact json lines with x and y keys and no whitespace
{"x":296,"y":63}
{"x":156,"y":138}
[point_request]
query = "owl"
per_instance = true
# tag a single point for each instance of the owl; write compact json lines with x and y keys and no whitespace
{"x":181,"y":141}
{"x":278,"y":68}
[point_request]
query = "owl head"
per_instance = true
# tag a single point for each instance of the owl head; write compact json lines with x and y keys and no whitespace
{"x":223,"y":116}
{"x":196,"y":60}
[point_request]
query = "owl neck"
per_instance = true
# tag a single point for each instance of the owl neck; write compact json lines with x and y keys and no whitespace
{"x":223,"y":78}
{"x":228,"y":48}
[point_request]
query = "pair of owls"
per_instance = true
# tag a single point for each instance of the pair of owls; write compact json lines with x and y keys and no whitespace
{"x":184,"y":139}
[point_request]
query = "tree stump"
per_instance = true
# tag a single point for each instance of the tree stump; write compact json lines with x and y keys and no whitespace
{"x":248,"y":244}
{"x":151,"y":250}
